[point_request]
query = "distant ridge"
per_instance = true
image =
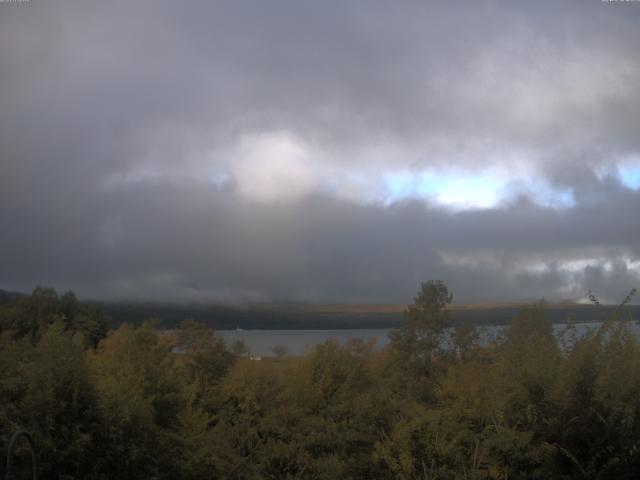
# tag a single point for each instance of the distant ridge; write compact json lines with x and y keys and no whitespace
{"x":338,"y":316}
{"x":305,"y":316}
{"x":7,"y":296}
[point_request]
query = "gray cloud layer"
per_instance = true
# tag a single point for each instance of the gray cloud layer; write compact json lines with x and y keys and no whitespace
{"x":117,"y":120}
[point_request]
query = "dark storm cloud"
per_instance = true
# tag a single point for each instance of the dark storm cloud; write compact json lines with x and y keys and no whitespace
{"x":178,"y":241}
{"x":118,"y":120}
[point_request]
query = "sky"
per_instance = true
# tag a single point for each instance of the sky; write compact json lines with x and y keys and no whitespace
{"x":335,"y":151}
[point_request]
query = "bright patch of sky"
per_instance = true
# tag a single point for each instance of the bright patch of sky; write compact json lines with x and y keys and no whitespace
{"x":472,"y":191}
{"x":449,"y":189}
{"x":625,"y":169}
{"x":278,"y":166}
{"x":630,"y":175}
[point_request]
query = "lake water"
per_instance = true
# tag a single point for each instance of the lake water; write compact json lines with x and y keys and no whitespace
{"x":297,"y":342}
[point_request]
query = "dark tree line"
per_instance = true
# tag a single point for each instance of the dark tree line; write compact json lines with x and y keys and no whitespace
{"x":435,"y":404}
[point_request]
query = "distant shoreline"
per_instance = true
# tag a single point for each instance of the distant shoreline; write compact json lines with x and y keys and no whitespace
{"x":334,"y":317}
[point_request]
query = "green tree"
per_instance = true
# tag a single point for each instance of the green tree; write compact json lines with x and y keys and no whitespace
{"x":279,"y":351}
{"x":47,"y":389}
{"x":206,"y":356}
{"x":464,"y":338}
{"x":417,"y":346}
{"x":31,"y":316}
{"x":142,"y":392}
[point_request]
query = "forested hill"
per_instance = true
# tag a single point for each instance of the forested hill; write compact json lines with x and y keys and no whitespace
{"x":308,"y":316}
{"x":7,"y":296}
{"x":335,"y":317}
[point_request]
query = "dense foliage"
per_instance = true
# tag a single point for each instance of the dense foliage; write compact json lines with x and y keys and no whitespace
{"x":140,"y":403}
